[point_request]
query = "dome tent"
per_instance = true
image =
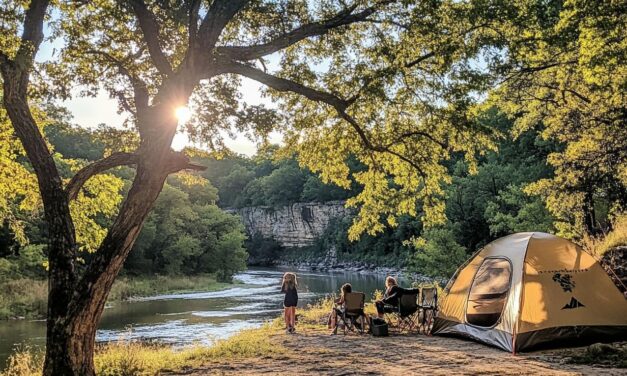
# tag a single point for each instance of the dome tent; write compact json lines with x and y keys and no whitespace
{"x":531,"y":290}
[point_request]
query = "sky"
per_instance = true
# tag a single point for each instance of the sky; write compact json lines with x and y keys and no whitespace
{"x":89,"y":112}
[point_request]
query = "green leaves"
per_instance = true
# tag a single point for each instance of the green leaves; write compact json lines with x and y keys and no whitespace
{"x":185,"y":237}
{"x":438,"y":255}
{"x":565,"y":72}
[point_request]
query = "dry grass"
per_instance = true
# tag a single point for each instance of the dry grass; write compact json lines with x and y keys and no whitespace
{"x":617,"y":237}
{"x":125,"y":358}
{"x":318,"y":312}
{"x":24,"y":362}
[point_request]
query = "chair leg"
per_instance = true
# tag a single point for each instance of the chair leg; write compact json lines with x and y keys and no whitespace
{"x":427,"y":320}
{"x":423,"y":320}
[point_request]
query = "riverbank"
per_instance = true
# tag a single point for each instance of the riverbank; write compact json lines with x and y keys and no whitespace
{"x":27,"y":298}
{"x":268,"y":350}
{"x":136,"y":358}
{"x":311,"y":351}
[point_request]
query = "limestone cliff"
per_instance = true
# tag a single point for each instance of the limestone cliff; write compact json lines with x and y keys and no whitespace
{"x":297,"y":225}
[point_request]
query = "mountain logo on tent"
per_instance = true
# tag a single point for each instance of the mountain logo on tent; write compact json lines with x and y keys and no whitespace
{"x":565,"y":281}
{"x":574,"y":303}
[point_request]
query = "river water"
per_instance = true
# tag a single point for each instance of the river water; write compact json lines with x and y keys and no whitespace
{"x":200,"y":317}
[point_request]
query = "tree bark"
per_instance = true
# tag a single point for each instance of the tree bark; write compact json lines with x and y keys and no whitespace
{"x":589,"y":217}
{"x":61,"y":235}
{"x":70,"y":349}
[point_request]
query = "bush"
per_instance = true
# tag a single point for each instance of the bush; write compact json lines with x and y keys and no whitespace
{"x":616,"y":237}
{"x":23,"y":298}
{"x":24,"y":362}
{"x":438,"y":255}
{"x":262,"y":251}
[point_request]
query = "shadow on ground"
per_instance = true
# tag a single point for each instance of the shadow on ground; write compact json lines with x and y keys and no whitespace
{"x":312,"y":351}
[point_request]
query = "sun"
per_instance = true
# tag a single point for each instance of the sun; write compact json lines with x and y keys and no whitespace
{"x":183,"y":114}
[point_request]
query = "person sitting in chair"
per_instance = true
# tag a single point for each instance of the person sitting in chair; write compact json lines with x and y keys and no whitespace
{"x":338,"y":307}
{"x":389,"y":303}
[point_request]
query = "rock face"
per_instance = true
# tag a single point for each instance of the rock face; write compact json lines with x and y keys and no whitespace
{"x":297,"y":225}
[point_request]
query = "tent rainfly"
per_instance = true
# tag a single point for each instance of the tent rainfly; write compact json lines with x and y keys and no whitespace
{"x":532,"y":290}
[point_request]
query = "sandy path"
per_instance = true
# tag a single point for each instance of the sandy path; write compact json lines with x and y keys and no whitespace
{"x":317,"y":353}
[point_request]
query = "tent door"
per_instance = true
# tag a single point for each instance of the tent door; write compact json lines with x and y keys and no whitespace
{"x":488,"y":293}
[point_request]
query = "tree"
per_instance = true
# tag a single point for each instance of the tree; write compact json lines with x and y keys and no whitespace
{"x":231,"y":185}
{"x":385,"y":99}
{"x":437,"y":253}
{"x":561,"y":66}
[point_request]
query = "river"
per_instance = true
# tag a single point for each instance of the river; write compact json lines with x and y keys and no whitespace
{"x":200,"y":317}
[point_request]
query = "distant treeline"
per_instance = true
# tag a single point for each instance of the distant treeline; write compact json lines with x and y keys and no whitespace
{"x":185,"y":234}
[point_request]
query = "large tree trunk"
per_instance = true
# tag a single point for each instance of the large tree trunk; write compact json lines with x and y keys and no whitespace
{"x":76,"y":302}
{"x":71,"y":336}
{"x":61,"y":236}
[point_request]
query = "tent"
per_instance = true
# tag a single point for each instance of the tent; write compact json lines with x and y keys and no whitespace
{"x":532,"y":290}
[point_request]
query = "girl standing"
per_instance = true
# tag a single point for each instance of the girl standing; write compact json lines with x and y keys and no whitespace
{"x":288,"y":287}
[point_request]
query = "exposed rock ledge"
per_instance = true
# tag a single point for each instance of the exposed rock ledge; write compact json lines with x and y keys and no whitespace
{"x":293,"y":226}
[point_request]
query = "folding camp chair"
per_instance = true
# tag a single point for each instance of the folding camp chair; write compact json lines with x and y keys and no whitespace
{"x":405,"y":318}
{"x":428,"y":307}
{"x":352,"y":315}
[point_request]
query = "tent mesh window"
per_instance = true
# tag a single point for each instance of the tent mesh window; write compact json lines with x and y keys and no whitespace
{"x":488,"y":292}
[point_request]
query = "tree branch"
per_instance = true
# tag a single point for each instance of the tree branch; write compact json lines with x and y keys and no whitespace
{"x":33,"y":34}
{"x":282,"y":84}
{"x":194,"y":8}
{"x":345,"y":17}
{"x":419,"y":59}
{"x":385,"y":72}
{"x":340,"y":105}
{"x":179,"y":161}
{"x":220,"y":13}
{"x":140,"y":92}
{"x":151,"y":32}
{"x":98,"y":167}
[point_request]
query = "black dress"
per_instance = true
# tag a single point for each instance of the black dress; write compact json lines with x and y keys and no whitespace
{"x":291,"y":297}
{"x":389,"y":303}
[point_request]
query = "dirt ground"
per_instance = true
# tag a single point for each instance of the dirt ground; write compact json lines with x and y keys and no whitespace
{"x":314,"y":352}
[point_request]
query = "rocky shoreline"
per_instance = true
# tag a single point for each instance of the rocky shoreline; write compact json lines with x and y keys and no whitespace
{"x":349,"y":266}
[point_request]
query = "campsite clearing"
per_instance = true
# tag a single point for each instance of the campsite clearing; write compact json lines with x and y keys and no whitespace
{"x":313,"y":351}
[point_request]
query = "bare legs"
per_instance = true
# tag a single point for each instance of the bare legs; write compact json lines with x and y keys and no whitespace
{"x":289,"y":313}
{"x":293,"y":317}
{"x":286,"y":315}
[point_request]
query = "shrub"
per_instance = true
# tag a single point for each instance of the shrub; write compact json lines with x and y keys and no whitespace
{"x":616,"y":237}
{"x":439,"y":255}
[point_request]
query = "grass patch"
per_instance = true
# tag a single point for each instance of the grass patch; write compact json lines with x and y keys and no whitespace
{"x":601,"y":354}
{"x":126,"y":288}
{"x":616,"y":237}
{"x":136,"y":358}
{"x":23,"y":298}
